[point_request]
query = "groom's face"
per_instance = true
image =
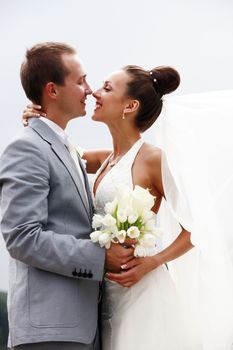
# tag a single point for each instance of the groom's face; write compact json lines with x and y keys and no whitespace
{"x":71,"y":97}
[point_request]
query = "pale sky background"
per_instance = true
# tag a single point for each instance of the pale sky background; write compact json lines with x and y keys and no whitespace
{"x":195,"y":36}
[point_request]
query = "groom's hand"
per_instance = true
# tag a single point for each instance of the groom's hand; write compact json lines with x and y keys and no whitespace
{"x":117,"y":256}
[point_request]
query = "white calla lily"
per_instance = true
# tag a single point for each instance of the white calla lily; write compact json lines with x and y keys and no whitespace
{"x":148,"y":240}
{"x":113,"y":229}
{"x":108,"y":220}
{"x":110,"y":207}
{"x":95,"y":236}
{"x":105,"y":239}
{"x":121,"y":216}
{"x":96,"y":221}
{"x":124,"y":196}
{"x":140,"y":251}
{"x":133,"y":232}
{"x":147,"y":215}
{"x":143,"y":199}
{"x":120,"y":235}
{"x":132,"y":218}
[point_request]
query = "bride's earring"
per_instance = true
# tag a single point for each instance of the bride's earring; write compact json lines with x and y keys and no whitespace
{"x":123,"y":116}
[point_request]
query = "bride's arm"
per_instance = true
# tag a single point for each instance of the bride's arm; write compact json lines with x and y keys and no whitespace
{"x":134,"y":270}
{"x":94,"y":159}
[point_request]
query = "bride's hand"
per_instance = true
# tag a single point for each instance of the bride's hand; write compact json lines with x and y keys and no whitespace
{"x":134,"y":270}
{"x":129,"y":242}
{"x":32,"y":111}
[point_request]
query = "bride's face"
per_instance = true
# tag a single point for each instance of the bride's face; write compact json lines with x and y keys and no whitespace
{"x":111,"y":99}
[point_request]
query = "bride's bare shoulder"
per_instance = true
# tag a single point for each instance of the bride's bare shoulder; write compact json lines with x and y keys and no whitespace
{"x":151,"y":155}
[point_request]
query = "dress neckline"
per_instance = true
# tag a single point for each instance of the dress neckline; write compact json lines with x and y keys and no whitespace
{"x":138,"y":143}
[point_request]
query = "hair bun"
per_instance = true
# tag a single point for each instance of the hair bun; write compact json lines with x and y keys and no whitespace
{"x":165,"y":79}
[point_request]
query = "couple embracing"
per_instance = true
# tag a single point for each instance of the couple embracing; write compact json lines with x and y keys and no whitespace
{"x":47,"y":207}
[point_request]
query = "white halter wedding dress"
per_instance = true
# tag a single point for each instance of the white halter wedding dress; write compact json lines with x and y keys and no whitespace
{"x":145,"y":316}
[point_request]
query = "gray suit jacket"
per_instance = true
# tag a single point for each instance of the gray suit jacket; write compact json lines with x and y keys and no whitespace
{"x":55,"y":269}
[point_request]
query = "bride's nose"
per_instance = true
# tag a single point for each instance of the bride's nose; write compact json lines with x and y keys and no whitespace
{"x":96,"y":93}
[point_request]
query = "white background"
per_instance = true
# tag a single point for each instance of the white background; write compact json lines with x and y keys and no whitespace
{"x":195,"y":36}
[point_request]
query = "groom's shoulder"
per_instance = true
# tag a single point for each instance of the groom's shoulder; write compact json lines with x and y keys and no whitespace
{"x":26,"y":141}
{"x":27,"y":136}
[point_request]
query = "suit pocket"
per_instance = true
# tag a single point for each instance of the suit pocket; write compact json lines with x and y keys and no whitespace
{"x":53,"y":300}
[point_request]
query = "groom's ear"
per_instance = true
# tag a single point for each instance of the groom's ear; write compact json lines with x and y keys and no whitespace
{"x":131,"y":106}
{"x":51,"y":90}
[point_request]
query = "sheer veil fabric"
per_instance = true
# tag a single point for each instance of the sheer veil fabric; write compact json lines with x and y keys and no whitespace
{"x":195,"y":133}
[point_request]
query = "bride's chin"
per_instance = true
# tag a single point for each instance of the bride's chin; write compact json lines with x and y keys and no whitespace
{"x":96,"y":118}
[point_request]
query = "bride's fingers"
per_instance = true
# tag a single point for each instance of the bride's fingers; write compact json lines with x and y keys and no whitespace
{"x":128,"y":284}
{"x":28,"y":110}
{"x":33,"y":106}
{"x":33,"y":110}
{"x":30,"y":114}
{"x":25,"y":121}
{"x":129,"y":241}
{"x":130,"y":264}
{"x":117,"y":277}
{"x":123,"y":277}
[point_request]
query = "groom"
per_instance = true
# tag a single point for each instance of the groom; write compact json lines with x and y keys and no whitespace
{"x":55,"y":270}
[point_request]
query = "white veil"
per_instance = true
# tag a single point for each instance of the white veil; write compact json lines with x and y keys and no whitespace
{"x":195,"y":133}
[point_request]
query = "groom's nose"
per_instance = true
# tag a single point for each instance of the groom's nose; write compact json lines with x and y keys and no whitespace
{"x":88,"y":90}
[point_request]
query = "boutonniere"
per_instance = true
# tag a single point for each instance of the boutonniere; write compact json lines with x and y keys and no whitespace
{"x":80,"y":153}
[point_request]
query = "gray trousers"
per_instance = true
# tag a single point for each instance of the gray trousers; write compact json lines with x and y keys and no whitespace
{"x":56,"y":346}
{"x":60,"y":346}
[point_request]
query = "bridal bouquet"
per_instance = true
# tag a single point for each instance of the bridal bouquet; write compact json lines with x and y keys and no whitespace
{"x":128,"y":216}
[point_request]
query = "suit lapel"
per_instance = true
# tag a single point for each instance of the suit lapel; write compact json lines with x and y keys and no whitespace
{"x":63,"y":154}
{"x":65,"y":157}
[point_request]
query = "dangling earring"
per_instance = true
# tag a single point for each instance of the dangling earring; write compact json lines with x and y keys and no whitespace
{"x":123,"y":116}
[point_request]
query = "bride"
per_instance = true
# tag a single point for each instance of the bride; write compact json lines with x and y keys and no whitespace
{"x":146,"y":315}
{"x":142,"y":307}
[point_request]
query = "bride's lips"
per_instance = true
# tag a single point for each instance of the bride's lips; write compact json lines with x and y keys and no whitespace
{"x":98,"y":105}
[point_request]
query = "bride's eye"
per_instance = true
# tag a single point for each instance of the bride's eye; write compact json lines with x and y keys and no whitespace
{"x":106,"y":87}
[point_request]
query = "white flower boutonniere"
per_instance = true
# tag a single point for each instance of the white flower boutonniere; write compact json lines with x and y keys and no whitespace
{"x":80,"y":153}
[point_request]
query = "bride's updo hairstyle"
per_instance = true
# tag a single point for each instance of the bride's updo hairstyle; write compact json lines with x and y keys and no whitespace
{"x":148,"y":87}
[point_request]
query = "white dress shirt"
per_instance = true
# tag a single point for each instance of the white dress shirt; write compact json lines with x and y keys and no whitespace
{"x":65,"y":139}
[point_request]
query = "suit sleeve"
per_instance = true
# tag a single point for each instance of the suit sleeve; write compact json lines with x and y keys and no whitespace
{"x":24,"y":180}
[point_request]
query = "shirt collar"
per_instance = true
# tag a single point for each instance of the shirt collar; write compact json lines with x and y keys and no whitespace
{"x":55,"y":127}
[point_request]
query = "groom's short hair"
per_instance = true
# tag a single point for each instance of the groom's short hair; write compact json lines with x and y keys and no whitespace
{"x":43,"y":63}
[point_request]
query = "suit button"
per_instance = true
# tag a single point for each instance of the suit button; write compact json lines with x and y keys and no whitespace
{"x":90,"y":274}
{"x":85,"y":274}
{"x":80,"y":274}
{"x":74,"y":273}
